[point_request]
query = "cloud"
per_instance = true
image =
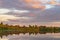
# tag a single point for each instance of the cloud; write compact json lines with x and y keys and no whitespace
{"x":21,"y":19}
{"x":49,"y":6}
{"x":7,"y":17}
{"x":42,"y":4}
{"x":20,"y":11}
{"x":40,"y":16}
{"x":52,"y":15}
{"x":4,"y":10}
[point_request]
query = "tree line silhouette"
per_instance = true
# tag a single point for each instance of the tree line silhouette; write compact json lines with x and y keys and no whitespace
{"x":16,"y":29}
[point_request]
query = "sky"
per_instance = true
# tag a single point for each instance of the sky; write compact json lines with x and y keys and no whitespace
{"x":25,"y":12}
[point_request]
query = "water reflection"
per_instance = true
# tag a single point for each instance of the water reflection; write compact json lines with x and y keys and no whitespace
{"x":27,"y":36}
{"x":4,"y":38}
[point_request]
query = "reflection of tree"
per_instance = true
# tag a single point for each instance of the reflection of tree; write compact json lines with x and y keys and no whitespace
{"x":6,"y":29}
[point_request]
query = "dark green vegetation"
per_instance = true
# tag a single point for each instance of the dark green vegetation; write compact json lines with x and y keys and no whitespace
{"x":6,"y":29}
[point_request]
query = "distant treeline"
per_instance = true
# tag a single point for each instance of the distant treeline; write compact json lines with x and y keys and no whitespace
{"x":10,"y":29}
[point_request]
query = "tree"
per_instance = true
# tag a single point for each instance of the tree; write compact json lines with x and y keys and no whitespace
{"x":1,"y":23}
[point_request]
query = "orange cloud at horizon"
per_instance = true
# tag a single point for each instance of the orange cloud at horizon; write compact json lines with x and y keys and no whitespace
{"x":35,"y":4}
{"x":28,"y":1}
{"x":53,"y":2}
{"x":38,"y":6}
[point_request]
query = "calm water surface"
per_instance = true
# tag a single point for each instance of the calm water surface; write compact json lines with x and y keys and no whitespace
{"x":48,"y":36}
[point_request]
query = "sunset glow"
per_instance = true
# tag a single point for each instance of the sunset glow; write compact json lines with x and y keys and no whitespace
{"x":41,"y":3}
{"x":43,"y":12}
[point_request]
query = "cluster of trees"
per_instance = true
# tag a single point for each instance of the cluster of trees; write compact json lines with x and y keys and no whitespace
{"x":10,"y":29}
{"x":44,"y":29}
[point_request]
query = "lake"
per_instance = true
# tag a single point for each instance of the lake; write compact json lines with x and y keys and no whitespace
{"x":27,"y":36}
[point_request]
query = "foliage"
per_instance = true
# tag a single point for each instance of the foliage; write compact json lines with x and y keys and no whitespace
{"x":10,"y":29}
